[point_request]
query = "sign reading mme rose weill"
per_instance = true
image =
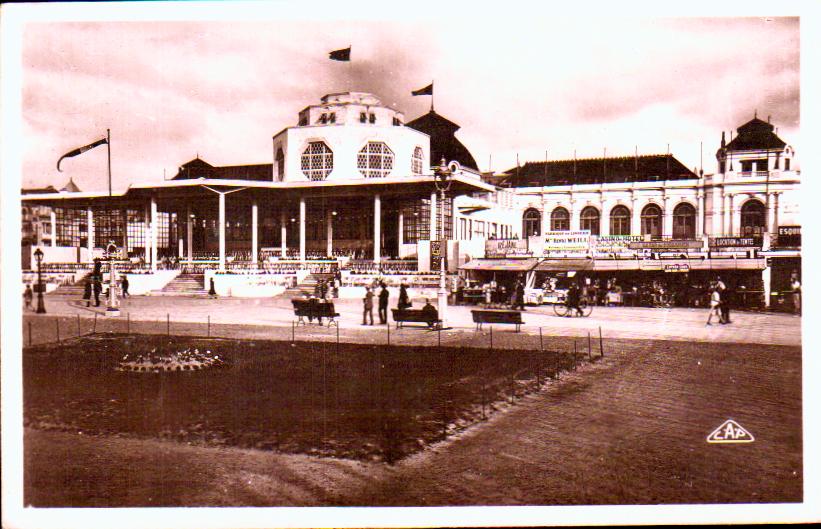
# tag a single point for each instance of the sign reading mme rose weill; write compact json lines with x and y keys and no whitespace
{"x":566,"y":243}
{"x":507,"y":248}
{"x":672,"y":244}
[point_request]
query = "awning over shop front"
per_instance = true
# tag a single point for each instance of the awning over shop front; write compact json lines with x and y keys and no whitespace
{"x":565,"y":265}
{"x":500,"y":265}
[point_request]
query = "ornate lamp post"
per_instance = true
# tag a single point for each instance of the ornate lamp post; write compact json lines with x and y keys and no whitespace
{"x":112,"y":307}
{"x":442,"y":181}
{"x":41,"y":307}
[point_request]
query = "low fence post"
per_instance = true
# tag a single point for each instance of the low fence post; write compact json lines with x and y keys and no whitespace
{"x":94,"y":331}
{"x":558,"y":364}
{"x":128,"y":323}
{"x":337,"y":339}
{"x":30,"y":342}
{"x":78,"y":326}
{"x":601,"y":344}
{"x":589,"y":348}
{"x":491,"y":337}
{"x":439,"y":335}
{"x":388,"y":327}
{"x":167,"y":324}
{"x":541,"y":340}
{"x":209,"y":325}
{"x":293,"y":333}
{"x":57,"y":321}
{"x":575,"y":352}
{"x":484,"y":401}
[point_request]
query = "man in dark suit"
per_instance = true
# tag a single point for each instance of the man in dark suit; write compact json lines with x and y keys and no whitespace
{"x":383,"y":304}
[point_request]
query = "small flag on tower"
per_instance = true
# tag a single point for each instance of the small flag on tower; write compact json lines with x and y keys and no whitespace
{"x":427,"y":91}
{"x":341,"y":55}
{"x":81,"y":150}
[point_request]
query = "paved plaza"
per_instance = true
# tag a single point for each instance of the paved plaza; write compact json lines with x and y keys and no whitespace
{"x":273,"y":318}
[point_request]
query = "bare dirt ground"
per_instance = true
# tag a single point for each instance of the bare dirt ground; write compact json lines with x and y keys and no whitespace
{"x":631,"y":430}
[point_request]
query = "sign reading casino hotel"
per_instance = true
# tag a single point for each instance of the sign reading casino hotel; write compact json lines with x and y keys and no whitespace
{"x":507,"y":248}
{"x":566,"y":243}
{"x":614,"y":244}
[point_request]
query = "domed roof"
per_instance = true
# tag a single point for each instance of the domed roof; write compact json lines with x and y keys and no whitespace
{"x":443,"y":141}
{"x":755,"y":135}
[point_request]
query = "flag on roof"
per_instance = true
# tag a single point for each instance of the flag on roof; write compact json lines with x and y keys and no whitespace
{"x":341,"y":55}
{"x":427,"y":91}
{"x":81,"y":150}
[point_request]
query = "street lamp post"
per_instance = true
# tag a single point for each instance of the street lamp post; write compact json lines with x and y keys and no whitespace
{"x":41,"y":307}
{"x":442,"y":181}
{"x":112,"y":308}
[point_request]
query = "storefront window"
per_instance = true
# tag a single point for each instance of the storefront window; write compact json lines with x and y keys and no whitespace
{"x":620,"y":221}
{"x":753,"y":218}
{"x":559,"y":220}
{"x":651,"y":220}
{"x":684,"y":221}
{"x":532,"y":223}
{"x":590,"y":220}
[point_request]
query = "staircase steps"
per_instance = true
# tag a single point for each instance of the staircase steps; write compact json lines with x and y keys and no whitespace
{"x":184,"y":285}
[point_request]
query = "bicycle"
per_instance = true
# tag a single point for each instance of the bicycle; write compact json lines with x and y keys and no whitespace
{"x":563,"y":309}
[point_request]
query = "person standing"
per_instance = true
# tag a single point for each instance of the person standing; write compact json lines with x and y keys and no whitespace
{"x":519,"y":296}
{"x":404,"y":301}
{"x":98,"y":288}
{"x":87,"y":291}
{"x":715,"y":305}
{"x":367,"y":306}
{"x":795,"y":286}
{"x":28,"y":297}
{"x":383,"y":305}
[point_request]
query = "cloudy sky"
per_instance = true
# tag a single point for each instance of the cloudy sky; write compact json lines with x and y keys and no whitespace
{"x":516,"y":84}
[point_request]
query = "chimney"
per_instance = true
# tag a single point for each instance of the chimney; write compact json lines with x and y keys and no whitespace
{"x":723,"y":142}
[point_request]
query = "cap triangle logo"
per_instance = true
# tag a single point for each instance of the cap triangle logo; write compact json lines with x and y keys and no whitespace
{"x":730,"y":432}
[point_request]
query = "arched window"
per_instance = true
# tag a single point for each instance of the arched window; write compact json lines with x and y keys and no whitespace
{"x":417,"y":161}
{"x":590,"y":220}
{"x":317,"y":161}
{"x":559,"y":220}
{"x":620,"y":221}
{"x":375,"y":160}
{"x":753,"y":218}
{"x":684,"y":221}
{"x":531,"y":223}
{"x":651,"y":220}
{"x":280,"y":164}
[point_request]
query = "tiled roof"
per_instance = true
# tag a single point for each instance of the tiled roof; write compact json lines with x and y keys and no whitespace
{"x":755,"y":135}
{"x":443,"y":142}
{"x":646,"y":168}
{"x":198,"y":168}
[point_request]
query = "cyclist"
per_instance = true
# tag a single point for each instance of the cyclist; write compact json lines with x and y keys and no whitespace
{"x":573,"y":300}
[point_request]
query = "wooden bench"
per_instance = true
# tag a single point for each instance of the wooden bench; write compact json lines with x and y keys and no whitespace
{"x":512,"y":317}
{"x":313,"y":308}
{"x":401,"y":316}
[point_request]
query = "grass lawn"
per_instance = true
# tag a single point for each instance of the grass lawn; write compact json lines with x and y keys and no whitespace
{"x":367,"y":402}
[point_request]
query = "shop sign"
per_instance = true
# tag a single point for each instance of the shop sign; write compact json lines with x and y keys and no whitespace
{"x":676,"y":267}
{"x":507,"y":248}
{"x":566,"y":243}
{"x":789,"y":236}
{"x":735,"y":242}
{"x":438,"y":251}
{"x":672,"y":244}
{"x":607,"y":245}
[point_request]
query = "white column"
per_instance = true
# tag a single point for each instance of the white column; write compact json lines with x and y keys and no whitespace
{"x":254,"y":232}
{"x":766,"y":278}
{"x":775,"y":222}
{"x":770,"y":212}
{"x":575,"y":220}
{"x":635,"y":218}
{"x":433,"y":232}
{"x":667,"y":224}
{"x":401,"y":234}
{"x":153,"y":233}
{"x":329,"y":231}
{"x":377,"y":228}
{"x":545,"y":217}
{"x":221,"y":228}
{"x":604,"y":219}
{"x":90,"y":230}
{"x":730,"y":214}
{"x":125,"y":231}
{"x":189,"y":223}
{"x":700,"y":216}
{"x":148,"y":228}
{"x":283,"y":233}
{"x":302,"y":221}
{"x":725,"y":225}
{"x":181,"y":244}
{"x":53,"y":219}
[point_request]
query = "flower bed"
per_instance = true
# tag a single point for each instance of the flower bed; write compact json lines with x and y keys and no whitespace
{"x":154,"y":362}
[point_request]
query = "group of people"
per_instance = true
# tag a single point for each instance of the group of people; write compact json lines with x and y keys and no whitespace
{"x":383,"y":299}
{"x":719,"y":302}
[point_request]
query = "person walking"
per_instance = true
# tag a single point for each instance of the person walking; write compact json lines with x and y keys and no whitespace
{"x":726,"y":301}
{"x":383,"y":304}
{"x":715,"y":305}
{"x":124,"y":285}
{"x":519,"y":296}
{"x":98,"y":288}
{"x":87,"y":292}
{"x":367,"y":306}
{"x":795,"y":286}
{"x":28,"y":297}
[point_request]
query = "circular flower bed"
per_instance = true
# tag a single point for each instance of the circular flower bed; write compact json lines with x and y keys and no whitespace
{"x":155,"y":362}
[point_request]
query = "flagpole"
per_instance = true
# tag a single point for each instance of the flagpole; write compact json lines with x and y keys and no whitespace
{"x":108,"y":144}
